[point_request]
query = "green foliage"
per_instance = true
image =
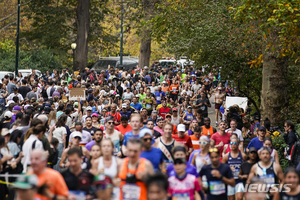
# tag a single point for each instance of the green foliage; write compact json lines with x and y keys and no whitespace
{"x":41,"y":59}
{"x":279,"y":144}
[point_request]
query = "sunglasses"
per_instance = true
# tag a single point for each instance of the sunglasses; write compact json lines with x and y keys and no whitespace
{"x":213,"y":150}
{"x":110,"y":123}
{"x":146,"y":139}
{"x":204,"y":143}
{"x":235,"y":143}
{"x":179,"y":161}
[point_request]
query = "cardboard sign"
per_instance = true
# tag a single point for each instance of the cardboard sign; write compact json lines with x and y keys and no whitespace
{"x":240,"y":101}
{"x":75,"y":93}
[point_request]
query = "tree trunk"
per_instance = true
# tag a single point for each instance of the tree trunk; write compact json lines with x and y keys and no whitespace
{"x":274,"y":94}
{"x":83,"y":26}
{"x":145,"y":50}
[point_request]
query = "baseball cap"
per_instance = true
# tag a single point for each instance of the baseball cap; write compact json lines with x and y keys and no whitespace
{"x":262,"y":128}
{"x":168,"y":115}
{"x":252,"y":149}
{"x":47,"y":105}
{"x":9,"y":102}
{"x":189,"y":107}
{"x":94,"y":115}
{"x":16,"y":108}
{"x":89,"y":108}
{"x":124,"y":105}
{"x":145,"y":67}
{"x":144,"y":131}
{"x":26,"y":182}
{"x":164,"y":82}
{"x":75,"y":104}
{"x":5,"y":132}
{"x":8,"y":114}
{"x":179,"y":161}
{"x":174,"y":109}
{"x":76,"y":134}
{"x":159,"y":119}
{"x":219,"y":88}
{"x":109,"y":118}
{"x":256,"y":117}
{"x":181,"y":128}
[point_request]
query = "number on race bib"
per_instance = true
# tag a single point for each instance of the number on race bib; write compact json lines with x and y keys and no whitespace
{"x":183,"y":196}
{"x":217,"y":187}
{"x":131,"y":192}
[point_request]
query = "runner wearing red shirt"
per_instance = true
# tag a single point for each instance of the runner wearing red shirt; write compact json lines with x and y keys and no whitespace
{"x":115,"y":114}
{"x":221,"y":138}
{"x":164,"y":109}
{"x":183,"y":138}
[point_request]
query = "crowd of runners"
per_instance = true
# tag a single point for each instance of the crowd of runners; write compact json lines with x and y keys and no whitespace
{"x":140,"y":134}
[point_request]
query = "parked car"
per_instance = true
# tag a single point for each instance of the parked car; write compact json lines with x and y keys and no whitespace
{"x":3,"y":73}
{"x":26,"y":72}
{"x":102,"y":64}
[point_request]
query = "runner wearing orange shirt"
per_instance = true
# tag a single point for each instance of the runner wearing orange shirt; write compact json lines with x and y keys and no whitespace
{"x":207,"y":129}
{"x":174,"y":89}
{"x":196,"y":137}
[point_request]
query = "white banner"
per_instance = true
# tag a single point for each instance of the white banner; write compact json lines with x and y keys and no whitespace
{"x":240,"y":101}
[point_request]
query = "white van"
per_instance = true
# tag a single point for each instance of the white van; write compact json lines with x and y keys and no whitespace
{"x":26,"y":72}
{"x":166,"y":62}
{"x":3,"y":73}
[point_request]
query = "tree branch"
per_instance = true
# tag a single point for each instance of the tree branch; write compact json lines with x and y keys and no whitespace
{"x":8,"y":16}
{"x":8,"y":25}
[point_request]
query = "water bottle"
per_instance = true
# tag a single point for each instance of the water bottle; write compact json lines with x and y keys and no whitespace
{"x":204,"y":181}
{"x":208,"y":133}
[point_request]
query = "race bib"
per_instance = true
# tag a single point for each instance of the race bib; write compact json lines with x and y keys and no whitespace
{"x":116,"y":146}
{"x":79,"y":195}
{"x":189,"y":118}
{"x":131,"y":192}
{"x":268,"y":179}
{"x":202,"y":107}
{"x":174,"y":89}
{"x":148,"y":106}
{"x":183,"y":196}
{"x":236,"y":173}
{"x":158,"y":98}
{"x":217,"y":187}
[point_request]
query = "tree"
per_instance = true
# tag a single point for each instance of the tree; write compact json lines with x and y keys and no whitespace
{"x":83,"y":27}
{"x":279,"y":22}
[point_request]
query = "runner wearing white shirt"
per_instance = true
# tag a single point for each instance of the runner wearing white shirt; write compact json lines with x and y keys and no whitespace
{"x":233,"y":128}
{"x":86,"y":136}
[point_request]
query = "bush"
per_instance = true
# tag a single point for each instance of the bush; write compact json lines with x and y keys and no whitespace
{"x":41,"y":59}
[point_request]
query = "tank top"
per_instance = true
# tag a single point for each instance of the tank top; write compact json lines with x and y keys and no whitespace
{"x":236,"y":163}
{"x":189,"y":117}
{"x":207,"y":132}
{"x":273,"y":155}
{"x":166,"y":151}
{"x":148,"y":102}
{"x":137,"y":190}
{"x":110,"y":171}
{"x":115,"y":138}
{"x":268,"y":174}
{"x":199,"y":163}
{"x":174,"y":122}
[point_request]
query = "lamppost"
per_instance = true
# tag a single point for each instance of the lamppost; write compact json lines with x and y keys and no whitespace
{"x":121,"y":45}
{"x":17,"y":40}
{"x":73,"y":46}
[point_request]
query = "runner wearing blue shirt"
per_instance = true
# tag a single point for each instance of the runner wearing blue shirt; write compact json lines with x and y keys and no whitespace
{"x":159,"y":95}
{"x":180,"y":152}
{"x":152,"y":154}
{"x":135,"y":104}
{"x":258,"y":141}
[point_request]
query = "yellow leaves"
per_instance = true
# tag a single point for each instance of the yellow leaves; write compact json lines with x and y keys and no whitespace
{"x":296,"y":9}
{"x":256,"y":61}
{"x":274,"y":11}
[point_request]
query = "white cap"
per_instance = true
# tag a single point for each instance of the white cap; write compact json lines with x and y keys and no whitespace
{"x":76,"y":134}
{"x":124,"y":105}
{"x":9,"y":102}
{"x":89,"y":108}
{"x":181,"y":128}
{"x":8,"y":114}
{"x":145,"y":67}
{"x":5,"y":132}
{"x":164,"y":82}
{"x":144,"y":131}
